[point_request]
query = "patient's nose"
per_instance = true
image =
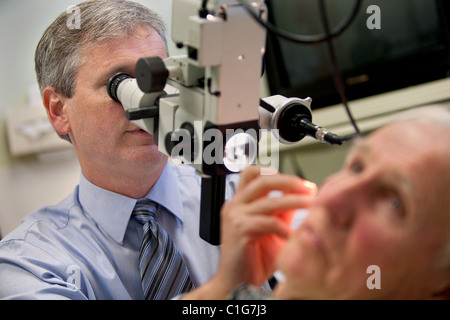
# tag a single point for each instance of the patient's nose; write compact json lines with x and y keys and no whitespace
{"x":343,"y":200}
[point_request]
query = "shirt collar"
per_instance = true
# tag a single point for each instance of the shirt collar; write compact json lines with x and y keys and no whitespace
{"x":112,"y":211}
{"x":166,"y":193}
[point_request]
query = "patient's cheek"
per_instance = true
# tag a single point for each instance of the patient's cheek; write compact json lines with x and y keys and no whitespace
{"x":368,"y":239}
{"x":300,"y":266}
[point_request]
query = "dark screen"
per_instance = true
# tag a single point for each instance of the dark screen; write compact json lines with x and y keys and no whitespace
{"x":370,"y":60}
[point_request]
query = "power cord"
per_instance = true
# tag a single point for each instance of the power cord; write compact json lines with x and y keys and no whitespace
{"x":304,"y":39}
{"x":338,"y":82}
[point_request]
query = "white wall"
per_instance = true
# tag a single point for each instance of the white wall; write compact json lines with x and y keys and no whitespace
{"x":29,"y":183}
{"x":27,"y":187}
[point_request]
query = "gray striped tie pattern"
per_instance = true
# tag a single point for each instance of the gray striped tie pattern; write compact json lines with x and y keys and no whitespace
{"x":163,"y":272}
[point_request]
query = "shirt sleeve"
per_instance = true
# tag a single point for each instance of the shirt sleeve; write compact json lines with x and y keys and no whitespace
{"x":31,"y":273}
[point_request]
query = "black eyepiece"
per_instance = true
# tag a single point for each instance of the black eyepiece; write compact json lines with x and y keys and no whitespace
{"x":113,"y":84}
{"x":151,"y":74}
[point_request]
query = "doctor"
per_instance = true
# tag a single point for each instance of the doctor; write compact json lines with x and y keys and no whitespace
{"x":88,"y":245}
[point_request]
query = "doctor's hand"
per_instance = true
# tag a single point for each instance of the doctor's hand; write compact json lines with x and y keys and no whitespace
{"x":254,"y":227}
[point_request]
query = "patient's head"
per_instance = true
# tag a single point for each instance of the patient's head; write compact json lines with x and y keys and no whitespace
{"x":388,"y":207}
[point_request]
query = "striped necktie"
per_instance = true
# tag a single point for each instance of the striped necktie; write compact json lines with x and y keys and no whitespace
{"x":163,"y":272}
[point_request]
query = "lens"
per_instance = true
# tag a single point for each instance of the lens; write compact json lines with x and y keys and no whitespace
{"x":289,"y":122}
{"x":114,"y":82}
{"x":240,"y":152}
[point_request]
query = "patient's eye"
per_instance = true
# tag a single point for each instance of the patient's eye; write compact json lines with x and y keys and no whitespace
{"x":395,"y":202}
{"x":356,"y":166}
{"x":392,"y":202}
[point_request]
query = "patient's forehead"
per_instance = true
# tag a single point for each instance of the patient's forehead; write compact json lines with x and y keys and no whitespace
{"x":420,"y":147}
{"x":420,"y":151}
{"x":416,"y":135}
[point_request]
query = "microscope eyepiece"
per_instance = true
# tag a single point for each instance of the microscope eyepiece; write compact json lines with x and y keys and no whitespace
{"x":113,"y":84}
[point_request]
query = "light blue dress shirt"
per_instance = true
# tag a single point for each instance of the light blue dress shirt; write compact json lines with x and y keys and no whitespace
{"x":87,"y":246}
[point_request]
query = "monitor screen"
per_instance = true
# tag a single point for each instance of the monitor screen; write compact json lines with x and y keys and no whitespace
{"x":410,"y":46}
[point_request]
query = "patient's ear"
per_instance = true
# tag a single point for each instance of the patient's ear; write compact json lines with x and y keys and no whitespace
{"x":54,"y":103}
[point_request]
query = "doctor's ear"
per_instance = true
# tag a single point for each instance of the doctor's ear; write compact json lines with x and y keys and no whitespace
{"x":54,"y":102}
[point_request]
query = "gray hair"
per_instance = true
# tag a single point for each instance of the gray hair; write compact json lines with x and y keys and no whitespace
{"x":437,"y":114}
{"x":59,"y":53}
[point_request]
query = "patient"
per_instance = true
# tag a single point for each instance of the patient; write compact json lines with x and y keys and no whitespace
{"x":388,"y":207}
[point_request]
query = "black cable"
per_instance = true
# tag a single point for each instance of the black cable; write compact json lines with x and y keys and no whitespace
{"x":304,"y":39}
{"x":336,"y":74}
{"x":315,"y":39}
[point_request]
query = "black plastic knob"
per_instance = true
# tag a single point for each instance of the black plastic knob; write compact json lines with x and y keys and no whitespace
{"x":151,"y":74}
{"x":114,"y":82}
{"x":289,"y":122}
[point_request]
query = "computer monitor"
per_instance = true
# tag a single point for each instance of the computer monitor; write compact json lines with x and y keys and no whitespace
{"x":411,"y":47}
